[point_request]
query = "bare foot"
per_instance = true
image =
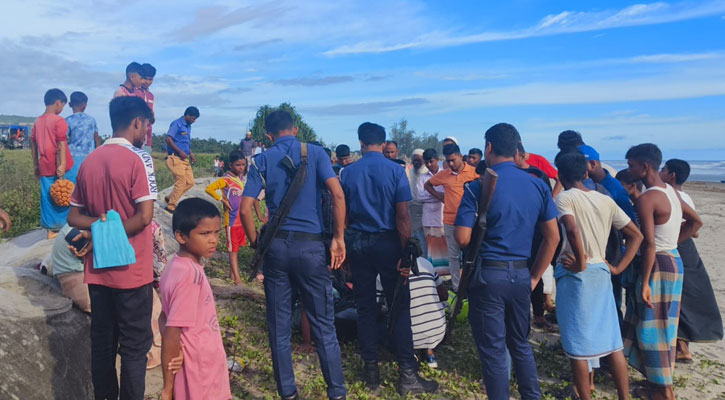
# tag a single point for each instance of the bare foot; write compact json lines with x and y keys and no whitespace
{"x":683,"y":352}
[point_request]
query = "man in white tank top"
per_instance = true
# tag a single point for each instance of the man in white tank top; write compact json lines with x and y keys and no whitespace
{"x":650,"y":328}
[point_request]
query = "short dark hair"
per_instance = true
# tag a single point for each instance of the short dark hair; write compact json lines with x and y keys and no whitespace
{"x":148,"y":70}
{"x":572,"y":167}
{"x":451,"y":149}
{"x":235,"y":156}
{"x":125,"y":109}
{"x":134,"y":67}
{"x":78,"y":98}
{"x":475,"y":150}
{"x":191,"y":111}
{"x":342,"y":150}
{"x":520,"y":148}
{"x":277,"y":121}
{"x":392,"y":142}
{"x":625,"y":176}
{"x":680,"y":168}
{"x":370,"y":133}
{"x":430,"y":154}
{"x":190,"y":212}
{"x":647,"y":153}
{"x":53,"y":95}
{"x":569,"y":140}
{"x":504,"y":139}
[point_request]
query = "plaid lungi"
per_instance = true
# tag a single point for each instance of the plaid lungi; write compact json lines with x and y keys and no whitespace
{"x":650,"y":334}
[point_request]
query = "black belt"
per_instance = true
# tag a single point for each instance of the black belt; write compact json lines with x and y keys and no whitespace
{"x":518,"y":264}
{"x":294,"y":235}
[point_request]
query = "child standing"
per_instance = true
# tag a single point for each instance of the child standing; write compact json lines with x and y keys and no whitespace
{"x":148,"y":72}
{"x":189,"y":310}
{"x":232,"y":185}
{"x":51,"y":158}
{"x":83,"y":135}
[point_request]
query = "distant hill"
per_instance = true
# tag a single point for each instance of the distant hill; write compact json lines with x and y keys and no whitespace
{"x":15,"y":119}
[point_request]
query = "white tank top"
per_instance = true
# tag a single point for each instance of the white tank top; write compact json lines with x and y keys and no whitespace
{"x":666,"y":235}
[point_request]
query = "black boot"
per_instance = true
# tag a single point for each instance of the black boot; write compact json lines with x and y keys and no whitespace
{"x":371,"y":374}
{"x":293,"y":397}
{"x":411,"y":382}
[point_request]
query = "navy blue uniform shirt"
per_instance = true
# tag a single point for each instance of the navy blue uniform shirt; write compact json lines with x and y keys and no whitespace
{"x":519,"y":202}
{"x":267,"y":168}
{"x":180,"y":133}
{"x":619,"y":194}
{"x":373,"y":186}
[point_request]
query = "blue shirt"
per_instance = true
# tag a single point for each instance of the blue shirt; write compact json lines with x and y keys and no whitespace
{"x":373,"y":186}
{"x":619,"y":194}
{"x":267,"y":172}
{"x":519,"y":203}
{"x":81,"y":134}
{"x":180,"y":132}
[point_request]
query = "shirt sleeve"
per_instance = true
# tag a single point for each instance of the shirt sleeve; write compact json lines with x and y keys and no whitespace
{"x":323,"y":165}
{"x":61,"y":130}
{"x":78,"y":198}
{"x":254,"y":183}
{"x":143,"y":180}
{"x":563,"y":204}
{"x":183,"y":298}
{"x":466,"y":215}
{"x":620,"y":219}
{"x":423,"y":195}
{"x":173,"y":130}
{"x":402,"y":191}
{"x":437,"y":179}
{"x":213,"y":187}
{"x":33,"y":135}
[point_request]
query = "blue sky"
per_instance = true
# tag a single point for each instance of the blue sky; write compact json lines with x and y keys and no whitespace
{"x":620,"y":72}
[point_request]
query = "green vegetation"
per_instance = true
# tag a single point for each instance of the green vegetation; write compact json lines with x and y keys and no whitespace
{"x":305,"y":133}
{"x":408,"y":140}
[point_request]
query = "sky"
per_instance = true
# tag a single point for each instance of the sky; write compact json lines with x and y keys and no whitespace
{"x":619,"y":72}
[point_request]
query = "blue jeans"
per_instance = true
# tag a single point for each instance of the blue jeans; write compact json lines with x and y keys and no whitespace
{"x":498,"y":300}
{"x":301,"y":263}
{"x":371,"y":255}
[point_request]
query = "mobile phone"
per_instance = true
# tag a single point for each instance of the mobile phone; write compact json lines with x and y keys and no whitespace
{"x":80,"y":244}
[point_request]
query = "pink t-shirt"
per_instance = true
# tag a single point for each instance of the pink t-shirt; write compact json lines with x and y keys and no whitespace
{"x":48,"y":130}
{"x":188,"y":303}
{"x":149,"y":98}
{"x":118,"y":176}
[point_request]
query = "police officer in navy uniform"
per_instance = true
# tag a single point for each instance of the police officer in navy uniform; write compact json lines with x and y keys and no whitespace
{"x":500,"y":288}
{"x":377,"y":194}
{"x":297,"y":254}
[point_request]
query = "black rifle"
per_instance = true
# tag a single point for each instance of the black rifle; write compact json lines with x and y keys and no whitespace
{"x":269,"y":231}
{"x":470,"y":253}
{"x":409,"y":260}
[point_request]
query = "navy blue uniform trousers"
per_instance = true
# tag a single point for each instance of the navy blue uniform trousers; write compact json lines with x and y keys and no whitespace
{"x":370,"y":255}
{"x":301,"y":263}
{"x":498,"y":301}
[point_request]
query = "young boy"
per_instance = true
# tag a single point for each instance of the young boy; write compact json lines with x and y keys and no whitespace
{"x":232,"y":186}
{"x":651,"y":326}
{"x":148,"y":72}
{"x":83,"y":135}
{"x":586,"y":308}
{"x":189,"y":314}
{"x":51,"y":158}
{"x":132,"y":85}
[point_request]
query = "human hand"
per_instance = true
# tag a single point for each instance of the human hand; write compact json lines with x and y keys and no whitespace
{"x":193,"y":159}
{"x":260,"y":277}
{"x":4,"y":221}
{"x":337,"y":252}
{"x":176,"y":363}
{"x":60,"y":171}
{"x":647,"y":295}
{"x":534,"y":282}
{"x":183,"y":156}
{"x":227,"y":206}
{"x":37,"y":172}
{"x":87,"y":248}
{"x":167,"y":394}
{"x":404,"y":272}
{"x":567,"y":260}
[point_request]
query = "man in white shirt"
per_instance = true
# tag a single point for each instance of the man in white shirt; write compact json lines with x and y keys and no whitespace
{"x":432,"y":214}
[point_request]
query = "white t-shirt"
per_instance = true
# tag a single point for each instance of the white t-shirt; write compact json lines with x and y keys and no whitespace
{"x":686,"y":198}
{"x":595,"y":214}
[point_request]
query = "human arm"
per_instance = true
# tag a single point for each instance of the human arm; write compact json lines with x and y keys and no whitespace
{"x":578,"y":261}
{"x":557,"y":187}
{"x":430,"y":189}
{"x":170,"y":143}
{"x":257,"y":210}
{"x":246,"y":209}
{"x":4,"y":221}
{"x":97,"y":139}
{"x":36,"y":165}
{"x":645,"y":212}
{"x":60,"y":159}
{"x":550,"y":239}
{"x":212,"y":190}
{"x":337,"y":246}
{"x":402,"y":221}
{"x":691,"y":225}
{"x":170,"y":348}
{"x":632,"y":240}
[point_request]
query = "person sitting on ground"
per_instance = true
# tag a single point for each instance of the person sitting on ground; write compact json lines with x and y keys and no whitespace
{"x":67,"y":268}
{"x":587,"y":311}
{"x":232,"y":186}
{"x":189,"y":313}
{"x":700,"y":319}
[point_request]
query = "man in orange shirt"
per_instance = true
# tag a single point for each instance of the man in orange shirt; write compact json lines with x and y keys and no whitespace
{"x":452,"y":180}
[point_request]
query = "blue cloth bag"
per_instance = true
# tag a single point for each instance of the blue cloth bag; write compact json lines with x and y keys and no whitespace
{"x":110,"y":243}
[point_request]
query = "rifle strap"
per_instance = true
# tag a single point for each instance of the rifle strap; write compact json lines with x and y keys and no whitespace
{"x":294,"y":189}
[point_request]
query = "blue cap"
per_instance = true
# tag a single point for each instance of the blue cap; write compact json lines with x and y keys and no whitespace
{"x":589,"y":152}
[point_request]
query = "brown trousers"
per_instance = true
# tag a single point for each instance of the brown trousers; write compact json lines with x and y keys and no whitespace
{"x":183,"y":178}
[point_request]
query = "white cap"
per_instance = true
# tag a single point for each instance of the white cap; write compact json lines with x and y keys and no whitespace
{"x":418,"y":152}
{"x":453,"y":138}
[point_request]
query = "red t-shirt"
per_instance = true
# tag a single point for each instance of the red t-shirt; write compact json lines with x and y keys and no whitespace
{"x":118,"y":176}
{"x":149,"y":98}
{"x":543,"y":164}
{"x":48,"y":130}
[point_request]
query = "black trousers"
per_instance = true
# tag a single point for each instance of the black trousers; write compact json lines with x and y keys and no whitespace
{"x":538,"y":299}
{"x":120,"y":324}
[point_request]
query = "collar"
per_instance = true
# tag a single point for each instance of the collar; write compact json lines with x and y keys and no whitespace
{"x":117,"y":140}
{"x":465,"y":166}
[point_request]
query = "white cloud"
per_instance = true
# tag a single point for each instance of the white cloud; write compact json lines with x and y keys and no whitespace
{"x":564,"y":22}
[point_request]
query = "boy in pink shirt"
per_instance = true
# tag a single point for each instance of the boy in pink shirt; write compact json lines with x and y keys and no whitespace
{"x":188,"y":309}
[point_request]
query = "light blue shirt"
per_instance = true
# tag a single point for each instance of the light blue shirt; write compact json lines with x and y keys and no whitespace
{"x":81,"y":134}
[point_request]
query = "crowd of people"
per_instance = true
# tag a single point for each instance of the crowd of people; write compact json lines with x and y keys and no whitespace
{"x":616,"y":244}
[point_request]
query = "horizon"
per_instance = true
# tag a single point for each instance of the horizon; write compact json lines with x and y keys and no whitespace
{"x":619,"y":72}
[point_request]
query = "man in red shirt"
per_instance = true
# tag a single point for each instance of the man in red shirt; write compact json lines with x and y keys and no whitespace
{"x":51,"y":158}
{"x":119,"y":176}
